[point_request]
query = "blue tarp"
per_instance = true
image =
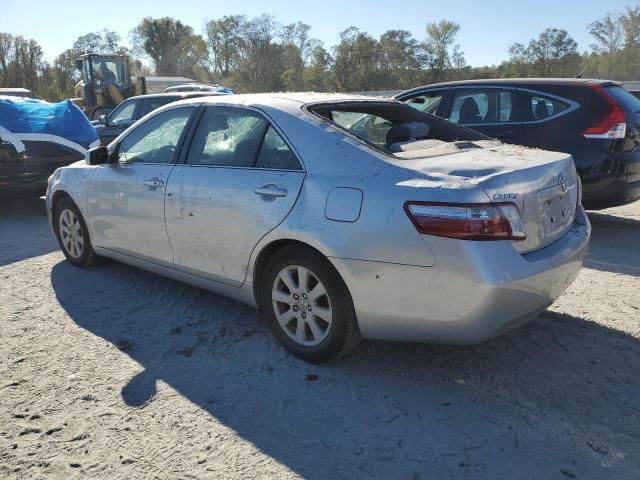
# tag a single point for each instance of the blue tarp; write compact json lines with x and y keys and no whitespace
{"x":63,"y":119}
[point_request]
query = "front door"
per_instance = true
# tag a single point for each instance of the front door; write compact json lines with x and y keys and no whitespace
{"x":127,"y":211}
{"x":240,"y":180}
{"x":121,"y":118}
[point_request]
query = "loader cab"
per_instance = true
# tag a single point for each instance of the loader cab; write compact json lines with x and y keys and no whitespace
{"x":106,"y":82}
{"x":102,"y":70}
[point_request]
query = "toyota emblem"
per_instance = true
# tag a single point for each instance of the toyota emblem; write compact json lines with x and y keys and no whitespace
{"x":562,"y":181}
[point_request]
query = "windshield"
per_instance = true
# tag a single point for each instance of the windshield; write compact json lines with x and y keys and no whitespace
{"x":109,"y":72}
{"x":393,"y":127}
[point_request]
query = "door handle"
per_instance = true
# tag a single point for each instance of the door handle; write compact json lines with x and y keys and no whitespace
{"x":270,"y":190}
{"x":154,"y":182}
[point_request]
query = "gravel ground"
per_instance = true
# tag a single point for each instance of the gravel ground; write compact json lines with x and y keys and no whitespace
{"x":114,"y":373}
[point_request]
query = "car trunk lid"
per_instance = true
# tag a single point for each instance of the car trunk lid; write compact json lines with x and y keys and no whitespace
{"x":543,"y":185}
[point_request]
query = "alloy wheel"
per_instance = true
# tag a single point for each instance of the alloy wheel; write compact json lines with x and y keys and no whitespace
{"x":302,"y":305}
{"x":71,"y":233}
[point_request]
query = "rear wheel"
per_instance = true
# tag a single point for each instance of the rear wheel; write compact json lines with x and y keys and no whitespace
{"x":72,"y":234}
{"x":308,"y":306}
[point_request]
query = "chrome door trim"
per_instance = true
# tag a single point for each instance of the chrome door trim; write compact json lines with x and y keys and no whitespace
{"x":572,"y":104}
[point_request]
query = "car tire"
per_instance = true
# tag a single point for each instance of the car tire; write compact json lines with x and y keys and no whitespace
{"x":72,"y":234}
{"x":314,"y":320}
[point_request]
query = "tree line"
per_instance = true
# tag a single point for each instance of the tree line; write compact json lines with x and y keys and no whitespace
{"x":261,"y":54}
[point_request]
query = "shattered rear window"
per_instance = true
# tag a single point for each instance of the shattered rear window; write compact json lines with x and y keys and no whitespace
{"x":392,"y":127}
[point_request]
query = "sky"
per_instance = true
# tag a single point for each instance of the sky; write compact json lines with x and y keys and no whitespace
{"x":488,"y":27}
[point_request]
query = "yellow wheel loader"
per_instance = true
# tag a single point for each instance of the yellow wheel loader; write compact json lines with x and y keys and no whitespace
{"x":105,"y":83}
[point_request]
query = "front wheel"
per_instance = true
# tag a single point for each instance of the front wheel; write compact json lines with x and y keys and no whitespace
{"x":72,"y":234}
{"x":308,"y":305}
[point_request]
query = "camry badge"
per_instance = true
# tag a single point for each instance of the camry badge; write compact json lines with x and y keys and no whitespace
{"x":505,"y":196}
{"x":562,"y":181}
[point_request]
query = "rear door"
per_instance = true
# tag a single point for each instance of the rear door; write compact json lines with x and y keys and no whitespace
{"x":543,"y":114}
{"x":240,"y":179}
{"x":489,"y":110}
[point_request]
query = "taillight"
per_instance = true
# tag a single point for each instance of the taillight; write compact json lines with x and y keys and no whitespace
{"x":579,"y":201}
{"x":493,"y":221}
{"x":613,"y":125}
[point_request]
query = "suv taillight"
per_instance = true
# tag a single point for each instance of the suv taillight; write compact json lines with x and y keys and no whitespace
{"x":579,"y":200}
{"x":492,"y":221}
{"x":613,"y":125}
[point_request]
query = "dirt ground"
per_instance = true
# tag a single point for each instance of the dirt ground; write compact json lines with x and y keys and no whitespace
{"x":114,"y":373}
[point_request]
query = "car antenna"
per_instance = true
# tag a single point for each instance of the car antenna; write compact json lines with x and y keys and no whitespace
{"x":579,"y":75}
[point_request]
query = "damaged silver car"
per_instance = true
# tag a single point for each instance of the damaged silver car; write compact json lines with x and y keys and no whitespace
{"x":340,"y":217}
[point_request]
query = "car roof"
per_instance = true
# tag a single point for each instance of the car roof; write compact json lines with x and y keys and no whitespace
{"x":517,"y":82}
{"x":193,"y":84}
{"x":284,"y":101}
{"x":176,"y":95}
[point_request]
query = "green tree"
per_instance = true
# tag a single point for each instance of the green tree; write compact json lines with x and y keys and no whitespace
{"x":171,"y":45}
{"x":399,"y":59}
{"x":298,"y":47}
{"x":104,"y":41}
{"x":630,"y":23}
{"x":441,"y":37}
{"x":354,"y":61}
{"x":21,"y":62}
{"x":608,"y":35}
{"x":518,"y":65}
{"x":224,"y":39}
{"x":551,"y":51}
{"x":318,"y":75}
{"x":458,"y":62}
{"x":261,"y":59}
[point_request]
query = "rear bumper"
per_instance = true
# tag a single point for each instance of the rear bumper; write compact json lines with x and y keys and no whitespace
{"x":477,"y":291}
{"x":615,"y":181}
{"x":611,"y":194}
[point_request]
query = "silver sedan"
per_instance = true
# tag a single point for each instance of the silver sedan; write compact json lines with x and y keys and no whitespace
{"x":340,"y":217}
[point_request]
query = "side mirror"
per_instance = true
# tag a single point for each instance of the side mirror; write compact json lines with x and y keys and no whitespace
{"x":98,"y":156}
{"x":79,"y":64}
{"x":103,"y":119}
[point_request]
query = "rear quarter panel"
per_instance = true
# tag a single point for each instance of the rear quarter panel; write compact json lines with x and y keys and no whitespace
{"x":382,"y":232}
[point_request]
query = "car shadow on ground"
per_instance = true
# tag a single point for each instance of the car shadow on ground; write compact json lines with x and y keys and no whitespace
{"x":614,"y":244}
{"x":24,"y":229}
{"x":529,"y":401}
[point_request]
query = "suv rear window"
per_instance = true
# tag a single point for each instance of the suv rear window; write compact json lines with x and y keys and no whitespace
{"x":624,"y":97}
{"x":537,"y":106}
{"x":384,"y":125}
